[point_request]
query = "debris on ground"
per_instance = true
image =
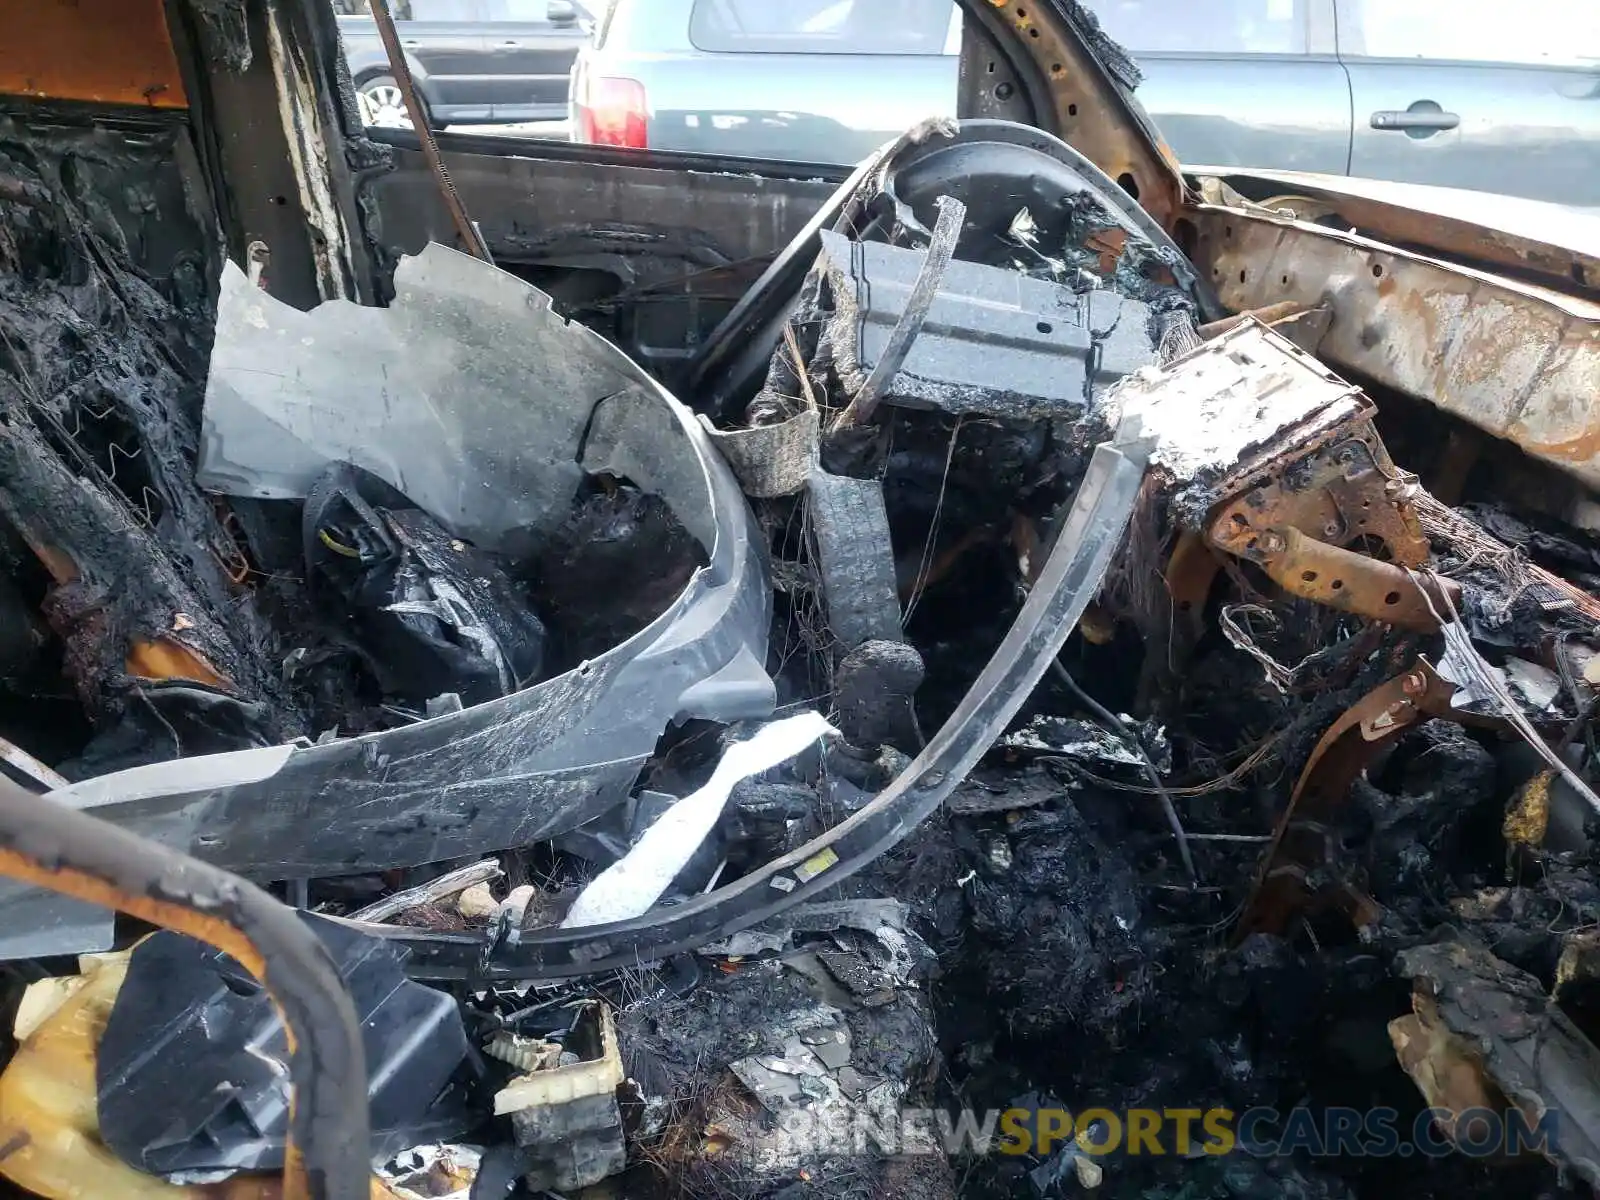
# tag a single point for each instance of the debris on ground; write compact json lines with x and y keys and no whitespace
{"x":1484,"y":1036}
{"x":782,"y":1060}
{"x":1005,"y":682}
{"x":563,"y":1108}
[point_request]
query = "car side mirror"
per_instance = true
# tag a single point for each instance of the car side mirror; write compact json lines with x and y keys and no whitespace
{"x":561,"y":12}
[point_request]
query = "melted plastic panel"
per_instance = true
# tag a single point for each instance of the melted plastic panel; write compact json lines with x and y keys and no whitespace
{"x":192,"y":1074}
{"x":467,"y":393}
{"x":495,"y":440}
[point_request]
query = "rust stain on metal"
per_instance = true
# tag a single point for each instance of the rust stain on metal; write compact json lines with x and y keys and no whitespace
{"x":1091,"y":114}
{"x":1302,"y":845}
{"x":101,"y":51}
{"x":1109,"y":245}
{"x":1564,"y":267}
{"x":1354,"y":583}
{"x":1267,"y":315}
{"x":1516,"y":360}
{"x":1342,"y":491}
{"x":1190,"y":573}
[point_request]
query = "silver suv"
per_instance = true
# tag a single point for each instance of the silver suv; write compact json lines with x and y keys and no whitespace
{"x":1460,"y":93}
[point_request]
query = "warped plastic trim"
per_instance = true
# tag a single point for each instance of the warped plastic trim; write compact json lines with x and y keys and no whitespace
{"x":521,"y":404}
{"x":1071,"y":577}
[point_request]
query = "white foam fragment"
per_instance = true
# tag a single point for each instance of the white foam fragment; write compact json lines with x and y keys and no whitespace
{"x":636,"y":881}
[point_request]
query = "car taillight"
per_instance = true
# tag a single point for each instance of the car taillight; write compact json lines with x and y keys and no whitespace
{"x":611,"y":112}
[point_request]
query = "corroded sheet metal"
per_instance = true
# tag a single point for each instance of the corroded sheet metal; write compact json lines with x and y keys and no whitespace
{"x":1550,"y":243}
{"x":1480,"y":1021}
{"x":1086,"y":107}
{"x":104,"y":51}
{"x":1516,"y":360}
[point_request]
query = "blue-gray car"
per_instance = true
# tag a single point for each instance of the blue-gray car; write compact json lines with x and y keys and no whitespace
{"x":1459,"y":93}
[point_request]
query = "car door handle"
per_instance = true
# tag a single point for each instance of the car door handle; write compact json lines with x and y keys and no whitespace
{"x":411,"y":44}
{"x":1408,"y":120}
{"x":511,"y":42}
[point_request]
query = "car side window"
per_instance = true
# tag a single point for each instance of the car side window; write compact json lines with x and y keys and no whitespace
{"x":821,"y":26}
{"x":516,"y":10}
{"x":1533,"y":32}
{"x":446,"y":10}
{"x":1220,"y":27}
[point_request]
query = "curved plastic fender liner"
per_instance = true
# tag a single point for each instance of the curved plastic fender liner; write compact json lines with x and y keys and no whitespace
{"x":1089,"y":537}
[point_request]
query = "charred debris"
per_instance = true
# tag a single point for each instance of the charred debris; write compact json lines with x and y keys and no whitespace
{"x":1000,"y":679}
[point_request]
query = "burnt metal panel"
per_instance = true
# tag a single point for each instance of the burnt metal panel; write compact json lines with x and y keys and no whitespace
{"x":1082,"y":91}
{"x":1516,"y":360}
{"x":996,"y":342}
{"x":1549,"y":244}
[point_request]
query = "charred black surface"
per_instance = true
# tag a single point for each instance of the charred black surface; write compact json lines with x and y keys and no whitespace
{"x":107,"y":262}
{"x":432,"y":614}
{"x":1062,"y":1007}
{"x":1435,"y":812}
{"x":615,"y":564}
{"x":677,"y":1046}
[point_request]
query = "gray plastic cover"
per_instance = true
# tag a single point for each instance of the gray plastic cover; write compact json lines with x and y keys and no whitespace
{"x":469,"y":394}
{"x":995,"y":341}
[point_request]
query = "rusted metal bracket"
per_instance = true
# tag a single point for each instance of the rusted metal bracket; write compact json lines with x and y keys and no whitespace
{"x":1294,"y":516}
{"x":1341,"y":491}
{"x":1190,"y":572}
{"x":1354,"y":583}
{"x":1294,"y":874}
{"x":54,"y":847}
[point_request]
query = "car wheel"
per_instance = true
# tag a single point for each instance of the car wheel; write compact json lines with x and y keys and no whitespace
{"x":383,"y":105}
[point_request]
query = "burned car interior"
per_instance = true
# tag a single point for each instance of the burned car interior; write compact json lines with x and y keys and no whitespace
{"x":543,"y":669}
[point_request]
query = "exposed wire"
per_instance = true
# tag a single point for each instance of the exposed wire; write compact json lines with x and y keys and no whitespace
{"x":1221,"y":784}
{"x":799,"y":364}
{"x":1584,"y":706}
{"x":925,"y":564}
{"x":1466,"y":654}
{"x":1121,"y":729}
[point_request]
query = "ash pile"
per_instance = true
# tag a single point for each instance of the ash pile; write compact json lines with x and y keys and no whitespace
{"x":1015,"y":687}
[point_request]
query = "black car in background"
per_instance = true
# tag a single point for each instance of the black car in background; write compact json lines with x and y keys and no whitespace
{"x":474,"y":61}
